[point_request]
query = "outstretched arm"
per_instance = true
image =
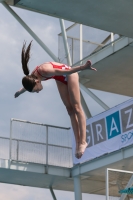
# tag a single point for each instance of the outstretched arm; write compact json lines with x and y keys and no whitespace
{"x":21,"y":91}
{"x":59,"y":72}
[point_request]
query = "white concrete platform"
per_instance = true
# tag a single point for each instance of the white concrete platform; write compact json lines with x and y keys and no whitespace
{"x":92,"y":173}
{"x":113,"y":16}
{"x":30,"y":174}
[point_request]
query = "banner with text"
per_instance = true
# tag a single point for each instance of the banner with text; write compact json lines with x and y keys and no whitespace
{"x":108,"y":132}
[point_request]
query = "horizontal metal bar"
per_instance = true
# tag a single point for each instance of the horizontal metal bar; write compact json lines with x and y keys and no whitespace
{"x":36,"y":142}
{"x":94,"y":53}
{"x":36,"y":123}
{"x":118,"y":170}
{"x":68,"y":28}
{"x":43,"y":143}
{"x":86,"y":41}
{"x":4,"y":138}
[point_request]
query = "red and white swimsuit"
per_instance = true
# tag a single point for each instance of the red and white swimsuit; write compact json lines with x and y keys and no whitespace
{"x":62,"y":78}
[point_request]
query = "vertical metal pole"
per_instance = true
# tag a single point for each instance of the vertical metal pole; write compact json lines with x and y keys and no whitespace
{"x":46,"y":149}
{"x":72,"y":51}
{"x":85,"y":107}
{"x":112,"y":37}
{"x":17,"y":150}
{"x":77,"y":188}
{"x":10,"y":144}
{"x":52,"y":192}
{"x":81,"y":43}
{"x":107,"y":184}
{"x":30,"y":32}
{"x":65,"y":42}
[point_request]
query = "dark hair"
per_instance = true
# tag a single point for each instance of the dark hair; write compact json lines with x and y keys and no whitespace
{"x":28,"y":81}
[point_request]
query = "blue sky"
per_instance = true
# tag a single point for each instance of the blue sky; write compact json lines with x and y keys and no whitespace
{"x":45,"y":107}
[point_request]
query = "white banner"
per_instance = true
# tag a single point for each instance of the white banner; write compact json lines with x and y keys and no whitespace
{"x":108,"y":132}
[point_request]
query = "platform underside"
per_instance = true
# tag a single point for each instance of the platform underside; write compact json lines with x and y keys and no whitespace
{"x":113,"y":16}
{"x":114,"y":73}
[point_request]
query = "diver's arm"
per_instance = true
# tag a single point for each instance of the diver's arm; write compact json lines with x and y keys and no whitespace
{"x":59,"y":72}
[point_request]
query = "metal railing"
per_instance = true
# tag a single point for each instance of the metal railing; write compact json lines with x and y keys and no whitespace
{"x":39,"y":143}
{"x":81,"y":42}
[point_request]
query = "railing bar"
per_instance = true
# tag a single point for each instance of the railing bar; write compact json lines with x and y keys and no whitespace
{"x":22,"y":161}
{"x":35,"y":142}
{"x":40,"y":124}
{"x":86,"y":41}
{"x":4,"y":138}
{"x":77,"y":63}
{"x":42,"y":143}
{"x":60,"y":146}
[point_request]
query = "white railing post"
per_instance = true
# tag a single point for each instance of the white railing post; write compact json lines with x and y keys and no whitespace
{"x":81,"y":43}
{"x":17,"y":150}
{"x":107,"y":184}
{"x":10,"y":143}
{"x":46,"y":149}
{"x":112,"y":39}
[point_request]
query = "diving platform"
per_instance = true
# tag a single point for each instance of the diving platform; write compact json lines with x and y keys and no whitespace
{"x":114,"y":68}
{"x":91,"y":173}
{"x":113,"y":16}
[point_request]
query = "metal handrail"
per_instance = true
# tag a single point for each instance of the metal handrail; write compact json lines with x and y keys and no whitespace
{"x":42,"y":143}
{"x":36,"y":123}
{"x":33,"y":142}
{"x":85,"y":58}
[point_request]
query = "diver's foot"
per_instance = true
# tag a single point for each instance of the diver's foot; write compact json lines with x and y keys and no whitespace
{"x":81,"y":149}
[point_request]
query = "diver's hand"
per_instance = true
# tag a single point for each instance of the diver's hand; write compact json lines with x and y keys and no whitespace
{"x":17,"y":94}
{"x":21,"y":91}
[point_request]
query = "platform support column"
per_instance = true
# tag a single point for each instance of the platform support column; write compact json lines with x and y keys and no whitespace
{"x":91,"y":94}
{"x":66,"y":47}
{"x":64,"y":35}
{"x":85,"y":107}
{"x":77,"y":188}
{"x":81,"y":43}
{"x":30,"y":32}
{"x":52,"y":193}
{"x":112,"y":37}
